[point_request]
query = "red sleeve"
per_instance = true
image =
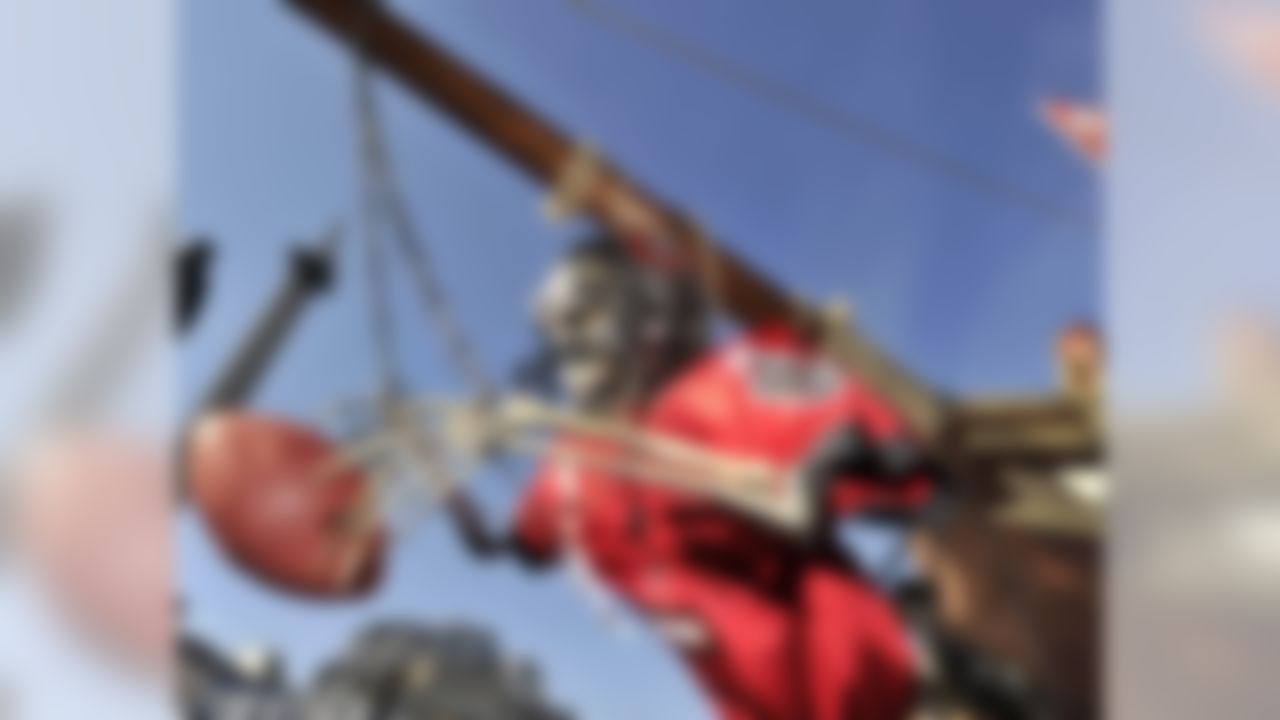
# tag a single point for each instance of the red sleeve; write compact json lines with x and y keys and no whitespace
{"x":882,"y":425}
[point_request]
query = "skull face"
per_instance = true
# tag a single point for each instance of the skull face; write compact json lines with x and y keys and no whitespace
{"x":586,"y":312}
{"x":615,"y":329}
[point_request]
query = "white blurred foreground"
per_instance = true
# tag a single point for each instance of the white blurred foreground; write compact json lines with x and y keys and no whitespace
{"x":85,"y":187}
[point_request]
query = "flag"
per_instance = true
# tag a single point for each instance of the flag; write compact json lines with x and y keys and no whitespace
{"x":1081,"y":125}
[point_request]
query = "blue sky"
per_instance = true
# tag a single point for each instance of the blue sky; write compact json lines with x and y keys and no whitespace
{"x":965,"y":287}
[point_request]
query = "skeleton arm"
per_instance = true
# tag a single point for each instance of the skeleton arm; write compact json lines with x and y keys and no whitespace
{"x":483,"y":540}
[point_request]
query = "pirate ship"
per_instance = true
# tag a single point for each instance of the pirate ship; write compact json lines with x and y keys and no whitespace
{"x":1020,"y":542}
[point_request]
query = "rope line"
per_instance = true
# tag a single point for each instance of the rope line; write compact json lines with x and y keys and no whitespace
{"x":386,"y":201}
{"x":845,"y":123}
{"x":380,"y":312}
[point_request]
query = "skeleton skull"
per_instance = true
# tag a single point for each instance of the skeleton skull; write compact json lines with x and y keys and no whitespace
{"x":614,"y":329}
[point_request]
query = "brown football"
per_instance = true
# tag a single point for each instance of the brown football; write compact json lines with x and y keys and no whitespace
{"x":285,"y":507}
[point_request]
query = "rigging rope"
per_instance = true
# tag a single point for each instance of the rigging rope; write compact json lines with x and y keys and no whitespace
{"x":845,"y":123}
{"x":384,"y":210}
{"x":380,"y":320}
{"x":384,"y":199}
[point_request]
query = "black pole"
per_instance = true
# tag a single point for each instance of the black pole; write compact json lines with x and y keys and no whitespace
{"x":310,"y":274}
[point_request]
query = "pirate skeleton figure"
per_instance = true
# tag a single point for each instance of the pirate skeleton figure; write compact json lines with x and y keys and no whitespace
{"x":772,"y":627}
